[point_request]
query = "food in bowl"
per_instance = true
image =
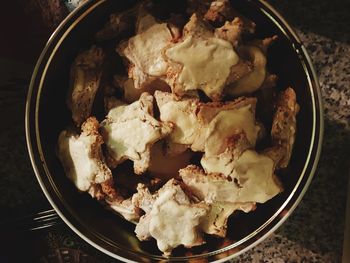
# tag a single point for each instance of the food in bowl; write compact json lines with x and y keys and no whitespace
{"x":189,"y":98}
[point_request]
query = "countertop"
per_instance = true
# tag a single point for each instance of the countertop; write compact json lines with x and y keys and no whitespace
{"x":313,"y":233}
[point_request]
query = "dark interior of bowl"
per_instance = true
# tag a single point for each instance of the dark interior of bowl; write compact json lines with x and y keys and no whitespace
{"x":108,"y":230}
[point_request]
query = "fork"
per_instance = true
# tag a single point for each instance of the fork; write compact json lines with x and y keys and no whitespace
{"x":36,"y":221}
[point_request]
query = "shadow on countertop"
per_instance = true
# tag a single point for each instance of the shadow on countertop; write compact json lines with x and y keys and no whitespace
{"x":318,"y":222}
{"x":329,"y":18}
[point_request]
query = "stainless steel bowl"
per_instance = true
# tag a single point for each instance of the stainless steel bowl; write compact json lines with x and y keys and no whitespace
{"x":47,"y":115}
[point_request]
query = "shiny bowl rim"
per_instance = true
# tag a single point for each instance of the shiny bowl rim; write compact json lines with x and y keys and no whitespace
{"x":291,"y":202}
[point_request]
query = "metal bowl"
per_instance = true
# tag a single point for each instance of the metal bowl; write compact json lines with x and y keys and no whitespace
{"x":47,"y":115}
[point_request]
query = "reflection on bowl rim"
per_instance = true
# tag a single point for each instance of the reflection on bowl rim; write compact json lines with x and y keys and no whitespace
{"x":253,"y":238}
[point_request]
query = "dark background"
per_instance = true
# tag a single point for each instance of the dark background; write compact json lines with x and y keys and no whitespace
{"x":314,"y":233}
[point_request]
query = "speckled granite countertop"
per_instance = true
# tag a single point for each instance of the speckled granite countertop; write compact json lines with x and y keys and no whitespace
{"x":314,"y":232}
